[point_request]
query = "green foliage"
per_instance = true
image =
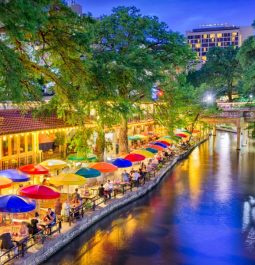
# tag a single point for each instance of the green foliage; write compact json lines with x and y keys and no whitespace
{"x":221,"y":72}
{"x":44,"y":42}
{"x":246,"y":57}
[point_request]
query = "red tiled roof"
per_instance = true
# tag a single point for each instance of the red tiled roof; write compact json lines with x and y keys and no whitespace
{"x":13,"y":121}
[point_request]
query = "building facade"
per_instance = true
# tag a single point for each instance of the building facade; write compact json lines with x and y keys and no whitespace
{"x":206,"y":37}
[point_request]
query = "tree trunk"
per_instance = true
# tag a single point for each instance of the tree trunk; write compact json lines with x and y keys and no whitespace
{"x":230,"y":92}
{"x":193,"y":126}
{"x":100,"y":145}
{"x":123,"y":136}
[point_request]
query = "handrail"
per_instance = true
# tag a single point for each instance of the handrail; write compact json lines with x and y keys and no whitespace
{"x":21,"y":248}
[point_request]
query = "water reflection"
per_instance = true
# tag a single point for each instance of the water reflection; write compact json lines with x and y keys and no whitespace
{"x":197,"y":216}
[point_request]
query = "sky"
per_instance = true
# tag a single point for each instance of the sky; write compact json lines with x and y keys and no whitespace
{"x":182,"y":15}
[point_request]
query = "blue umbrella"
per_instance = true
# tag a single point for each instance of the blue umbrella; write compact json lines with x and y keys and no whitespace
{"x":122,"y":163}
{"x":16,"y":204}
{"x":88,"y":172}
{"x":152,"y":150}
{"x":160,"y":144}
{"x":14,"y":175}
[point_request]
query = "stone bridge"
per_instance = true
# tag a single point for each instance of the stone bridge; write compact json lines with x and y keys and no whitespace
{"x":237,"y":114}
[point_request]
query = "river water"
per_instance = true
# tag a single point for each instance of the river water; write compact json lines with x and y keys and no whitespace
{"x":203,"y":213}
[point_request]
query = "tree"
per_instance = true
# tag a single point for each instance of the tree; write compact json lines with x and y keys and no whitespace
{"x":44,"y":44}
{"x":246,"y":56}
{"x":135,"y":52}
{"x":221,"y":70}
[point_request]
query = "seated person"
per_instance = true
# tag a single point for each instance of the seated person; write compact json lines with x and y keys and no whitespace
{"x":101,"y":191}
{"x":75,"y":207}
{"x":65,"y":212}
{"x":35,"y":227}
{"x":6,"y":240}
{"x":50,"y":218}
{"x":125,"y":176}
{"x":23,"y":231}
{"x":76,"y":195}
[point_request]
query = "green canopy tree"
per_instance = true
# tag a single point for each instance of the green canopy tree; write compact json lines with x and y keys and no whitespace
{"x":44,"y":44}
{"x":246,"y":56}
{"x":221,"y":72}
{"x":136,"y":52}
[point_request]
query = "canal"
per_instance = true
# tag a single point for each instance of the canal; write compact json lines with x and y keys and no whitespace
{"x":202,"y":213}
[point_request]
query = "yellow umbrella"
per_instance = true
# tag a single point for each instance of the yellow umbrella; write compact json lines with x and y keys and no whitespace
{"x":67,"y":179}
{"x":54,"y":164}
{"x":145,"y":153}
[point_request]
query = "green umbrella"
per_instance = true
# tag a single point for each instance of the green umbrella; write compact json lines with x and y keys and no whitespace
{"x":75,"y":157}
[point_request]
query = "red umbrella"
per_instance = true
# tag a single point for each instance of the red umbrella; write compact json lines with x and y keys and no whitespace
{"x":34,"y":169}
{"x":135,"y":157}
{"x":163,"y":142}
{"x":181,"y":135}
{"x":104,"y":167}
{"x":157,"y":147}
{"x":39,"y":192}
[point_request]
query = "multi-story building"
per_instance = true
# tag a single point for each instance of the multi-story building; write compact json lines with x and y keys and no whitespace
{"x":216,"y":35}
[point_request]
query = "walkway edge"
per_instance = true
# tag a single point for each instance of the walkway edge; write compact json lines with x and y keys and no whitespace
{"x":53,"y":246}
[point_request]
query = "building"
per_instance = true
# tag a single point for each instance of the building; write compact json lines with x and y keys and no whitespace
{"x":25,"y":139}
{"x":217,"y":35}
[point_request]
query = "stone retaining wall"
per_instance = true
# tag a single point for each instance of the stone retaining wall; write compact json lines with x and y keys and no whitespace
{"x":63,"y":239}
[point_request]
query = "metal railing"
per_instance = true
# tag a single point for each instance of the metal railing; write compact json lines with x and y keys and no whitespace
{"x":21,"y":247}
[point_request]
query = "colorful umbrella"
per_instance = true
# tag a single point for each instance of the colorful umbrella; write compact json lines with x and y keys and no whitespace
{"x":54,"y":164}
{"x":14,"y":175}
{"x":157,"y":147}
{"x":163,"y":142}
{"x":145,"y":153}
{"x":133,"y":138}
{"x":91,"y":158}
{"x":16,"y":204}
{"x":75,"y":157}
{"x":152,"y":150}
{"x":160,"y":144}
{"x":182,"y":135}
{"x":134,"y":157}
{"x":186,"y":131}
{"x":104,"y":167}
{"x":5,"y":182}
{"x":122,"y":163}
{"x":196,"y":131}
{"x":34,"y":169}
{"x":39,"y":192}
{"x":88,"y":172}
{"x":67,"y":179}
{"x":167,"y":140}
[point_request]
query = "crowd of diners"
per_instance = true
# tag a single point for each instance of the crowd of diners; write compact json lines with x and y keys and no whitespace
{"x":64,"y":208}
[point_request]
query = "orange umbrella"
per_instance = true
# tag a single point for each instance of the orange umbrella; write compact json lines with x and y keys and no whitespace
{"x":104,"y":167}
{"x":5,"y":182}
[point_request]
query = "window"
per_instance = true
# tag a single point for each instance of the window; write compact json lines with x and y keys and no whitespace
{"x":14,"y":144}
{"x":204,"y":49}
{"x":29,"y":142}
{"x":198,"y":45}
{"x":205,"y":36}
{"x":219,"y":35}
{"x":5,"y":146}
{"x":219,"y":44}
{"x":234,"y":33}
{"x":212,"y":35}
{"x":204,"y":58}
{"x":22,"y":143}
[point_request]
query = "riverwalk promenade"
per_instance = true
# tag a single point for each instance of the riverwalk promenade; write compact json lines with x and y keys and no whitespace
{"x":66,"y":231}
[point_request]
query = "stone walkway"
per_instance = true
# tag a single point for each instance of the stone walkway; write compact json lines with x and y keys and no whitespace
{"x":40,"y":253}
